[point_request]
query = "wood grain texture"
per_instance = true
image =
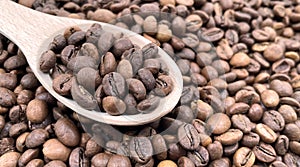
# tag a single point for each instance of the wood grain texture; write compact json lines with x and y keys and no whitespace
{"x":33,"y":31}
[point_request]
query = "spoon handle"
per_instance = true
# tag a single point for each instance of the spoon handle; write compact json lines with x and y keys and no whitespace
{"x":28,"y":28}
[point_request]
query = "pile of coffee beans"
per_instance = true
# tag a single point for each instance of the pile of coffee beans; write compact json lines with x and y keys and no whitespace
{"x":103,"y":70}
{"x":240,"y":105}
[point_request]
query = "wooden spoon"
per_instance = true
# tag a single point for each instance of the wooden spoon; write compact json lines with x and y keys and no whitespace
{"x":33,"y":31}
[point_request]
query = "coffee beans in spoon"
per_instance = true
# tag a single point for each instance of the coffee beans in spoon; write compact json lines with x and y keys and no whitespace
{"x":105,"y":71}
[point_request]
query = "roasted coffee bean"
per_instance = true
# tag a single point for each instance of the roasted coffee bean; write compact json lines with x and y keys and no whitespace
{"x":82,"y":96}
{"x":230,"y":137}
{"x":199,"y":156}
{"x":47,"y":61}
{"x":292,"y":131}
{"x":35,"y":163}
{"x":78,"y":158}
{"x":264,"y":152}
{"x":14,"y":62}
{"x":36,"y":138}
{"x":67,"y":132}
{"x":88,"y":78}
{"x":8,"y":80}
{"x":17,"y":129}
{"x":274,"y":120}
{"x":89,"y":49}
{"x":125,"y":69}
{"x":149,"y":104}
{"x":136,"y":88}
{"x":213,"y":34}
{"x":185,"y":162}
{"x":77,"y":63}
{"x":288,"y":113}
{"x":37,"y":111}
{"x":10,"y":158}
{"x":159,"y":147}
{"x":241,"y":122}
{"x":188,"y":137}
{"x":147,"y":78}
{"x":7,"y":97}
{"x":218,"y":123}
{"x":244,"y":157}
{"x":57,"y":163}
{"x":113,"y":105}
{"x":114,"y":84}
{"x":164,"y":85}
{"x":141,"y":149}
{"x":215,"y":150}
{"x":62,"y":84}
{"x":250,"y":140}
{"x":27,"y":156}
{"x":265,"y":133}
{"x":220,"y":162}
{"x":282,"y":145}
{"x":55,"y":150}
{"x":270,"y":98}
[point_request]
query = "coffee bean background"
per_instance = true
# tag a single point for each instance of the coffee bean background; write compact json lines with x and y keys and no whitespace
{"x":244,"y":68}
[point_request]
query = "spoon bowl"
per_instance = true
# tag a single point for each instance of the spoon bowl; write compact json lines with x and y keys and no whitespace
{"x":33,"y":31}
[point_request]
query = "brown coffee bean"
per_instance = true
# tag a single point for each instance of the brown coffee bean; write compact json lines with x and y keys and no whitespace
{"x":175,"y":151}
{"x":273,"y":52}
{"x":114,"y":84}
{"x":199,"y":156}
{"x":76,"y":38}
{"x":282,"y":145}
{"x":35,"y":163}
{"x":185,"y":162}
{"x":215,"y":150}
{"x":92,"y":147}
{"x":100,"y":159}
{"x":62,"y":84}
{"x":37,"y":111}
{"x":113,"y":105}
{"x":7,"y":97}
{"x":125,"y":69}
{"x":285,"y":88}
{"x":136,"y":88}
{"x":166,"y":163}
{"x":82,"y":96}
{"x":8,"y":80}
{"x":270,"y":98}
{"x":27,"y":156}
{"x":188,"y":137}
{"x":264,"y":152}
{"x":78,"y":158}
{"x":141,"y":154}
{"x":230,"y":137}
{"x":292,"y":131}
{"x":240,"y":60}
{"x":67,"y":132}
{"x":14,"y":62}
{"x":36,"y":138}
{"x":220,"y":162}
{"x":288,"y":113}
{"x":47,"y":61}
{"x":218,"y":123}
{"x":250,"y":140}
{"x":149,"y":104}
{"x":88,"y":78}
{"x":55,"y":150}
{"x":164,"y":85}
{"x":265,"y":133}
{"x":241,"y":122}
{"x":56,"y":163}
{"x":274,"y":120}
{"x":159,"y":147}
{"x":17,"y":129}
{"x":10,"y":159}
{"x":213,"y":34}
{"x":244,"y":157}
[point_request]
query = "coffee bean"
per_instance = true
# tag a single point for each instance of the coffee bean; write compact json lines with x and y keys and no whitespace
{"x":265,"y":133}
{"x":244,"y":157}
{"x":57,"y":163}
{"x":193,"y":22}
{"x":288,"y":113}
{"x":213,"y":34}
{"x":215,"y":150}
{"x":241,"y":122}
{"x":108,"y":64}
{"x":240,"y":59}
{"x":292,"y":131}
{"x":199,"y":156}
{"x":35,"y":163}
{"x":264,"y":152}
{"x":185,"y":162}
{"x":166,"y":163}
{"x":159,"y":147}
{"x":14,"y":62}
{"x":77,"y":158}
{"x":282,"y":145}
{"x":136,"y":88}
{"x":105,"y":42}
{"x":7,"y":97}
{"x":36,"y":138}
{"x":92,"y":147}
{"x":149,"y":104}
{"x":250,"y":140}
{"x":274,"y":120}
{"x":82,"y":96}
{"x":55,"y":150}
{"x":230,"y":137}
{"x":147,"y":78}
{"x":62,"y":84}
{"x":285,"y":90}
{"x":67,"y":132}
{"x":175,"y":151}
{"x":114,"y":84}
{"x":138,"y":153}
{"x":178,"y":26}
{"x":37,"y":111}
{"x":113,"y":105}
{"x":220,"y":162}
{"x":164,"y":85}
{"x":125,"y":69}
{"x":291,"y":159}
{"x":273,"y":52}
{"x":100,"y":159}
{"x":27,"y":156}
{"x":88,"y":78}
{"x":218,"y":123}
{"x":188,"y":137}
{"x":10,"y":158}
{"x":270,"y":98}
